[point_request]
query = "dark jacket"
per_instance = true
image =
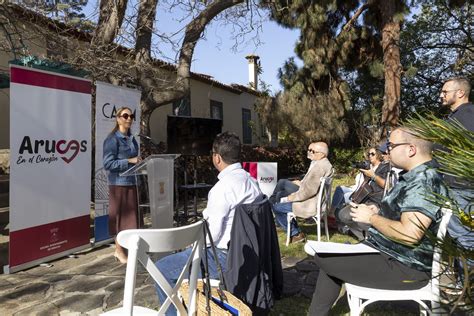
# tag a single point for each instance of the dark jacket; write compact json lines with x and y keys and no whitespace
{"x":464,"y":114}
{"x":254,"y":272}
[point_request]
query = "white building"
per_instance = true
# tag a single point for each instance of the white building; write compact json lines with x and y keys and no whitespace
{"x":233,"y":104}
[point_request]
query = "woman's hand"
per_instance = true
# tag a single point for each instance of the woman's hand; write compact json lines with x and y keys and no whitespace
{"x":368,"y":173}
{"x":134,"y":160}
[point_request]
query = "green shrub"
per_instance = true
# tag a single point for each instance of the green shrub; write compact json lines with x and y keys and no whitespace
{"x":341,"y":159}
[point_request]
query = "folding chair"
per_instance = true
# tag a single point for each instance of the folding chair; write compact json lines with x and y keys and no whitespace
{"x":322,"y":208}
{"x":359,"y":297}
{"x":139,"y":243}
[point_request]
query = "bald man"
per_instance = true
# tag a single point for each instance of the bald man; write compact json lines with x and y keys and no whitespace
{"x":303,"y":202}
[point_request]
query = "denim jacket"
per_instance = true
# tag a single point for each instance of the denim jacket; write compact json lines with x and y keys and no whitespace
{"x":117,"y":149}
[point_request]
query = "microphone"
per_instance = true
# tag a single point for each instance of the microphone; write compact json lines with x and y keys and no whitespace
{"x":146,"y":137}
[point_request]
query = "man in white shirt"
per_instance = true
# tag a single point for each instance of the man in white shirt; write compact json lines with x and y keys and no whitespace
{"x":235,"y":186}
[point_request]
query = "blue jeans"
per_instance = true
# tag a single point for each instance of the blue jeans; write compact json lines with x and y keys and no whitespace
{"x":172,"y":265}
{"x":463,"y":235}
{"x":281,"y":210}
{"x":283,"y":188}
{"x":340,"y":197}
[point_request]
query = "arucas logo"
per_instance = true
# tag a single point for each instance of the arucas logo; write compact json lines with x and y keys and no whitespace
{"x":266,"y":179}
{"x":45,"y":150}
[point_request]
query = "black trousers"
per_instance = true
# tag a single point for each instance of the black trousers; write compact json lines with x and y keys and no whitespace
{"x":283,"y":188}
{"x":371,"y":270}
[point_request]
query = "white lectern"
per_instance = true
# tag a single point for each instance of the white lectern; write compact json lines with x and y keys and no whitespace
{"x":159,"y":178}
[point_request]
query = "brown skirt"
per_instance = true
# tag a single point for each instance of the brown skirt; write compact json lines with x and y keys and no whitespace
{"x":123,"y":208}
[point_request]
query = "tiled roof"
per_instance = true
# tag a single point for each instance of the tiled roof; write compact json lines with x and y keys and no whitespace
{"x":66,"y":30}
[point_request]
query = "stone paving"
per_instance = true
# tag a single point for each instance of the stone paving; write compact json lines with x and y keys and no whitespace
{"x":92,"y":282}
{"x":87,"y":284}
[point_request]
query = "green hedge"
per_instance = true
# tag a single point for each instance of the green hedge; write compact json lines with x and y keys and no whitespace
{"x":291,"y":162}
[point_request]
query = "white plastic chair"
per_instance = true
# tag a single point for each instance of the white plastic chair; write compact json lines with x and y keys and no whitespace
{"x":359,"y":297}
{"x":139,"y":243}
{"x":322,"y":209}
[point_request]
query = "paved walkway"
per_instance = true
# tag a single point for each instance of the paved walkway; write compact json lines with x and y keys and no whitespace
{"x":92,"y":282}
{"x":86,"y":285}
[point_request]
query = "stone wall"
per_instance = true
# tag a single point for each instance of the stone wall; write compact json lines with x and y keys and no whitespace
{"x":4,"y":161}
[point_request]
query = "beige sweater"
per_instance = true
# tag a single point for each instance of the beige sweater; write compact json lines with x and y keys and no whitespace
{"x":304,"y":200}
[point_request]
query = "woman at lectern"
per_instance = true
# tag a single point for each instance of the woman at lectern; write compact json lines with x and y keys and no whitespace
{"x":120,"y":153}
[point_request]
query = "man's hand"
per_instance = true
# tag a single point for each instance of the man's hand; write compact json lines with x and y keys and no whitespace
{"x":362,"y":212}
{"x":297,"y":182}
{"x":368,"y":172}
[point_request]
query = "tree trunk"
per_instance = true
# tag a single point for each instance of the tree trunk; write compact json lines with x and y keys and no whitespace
{"x":392,"y":66}
{"x":153,"y":98}
{"x":110,"y":21}
{"x":154,"y":94}
{"x":144,"y":30}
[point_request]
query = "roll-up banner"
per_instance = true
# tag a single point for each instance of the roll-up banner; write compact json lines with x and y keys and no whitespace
{"x":109,"y":99}
{"x":50,"y":165}
{"x":266,"y":174}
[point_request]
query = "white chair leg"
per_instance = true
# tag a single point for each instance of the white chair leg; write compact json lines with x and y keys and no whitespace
{"x":354,"y":305}
{"x":326,"y":227}
{"x":318,"y":225}
{"x":289,"y":217}
{"x":424,"y":309}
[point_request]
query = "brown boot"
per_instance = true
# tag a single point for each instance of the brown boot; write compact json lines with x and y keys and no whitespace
{"x":301,"y":237}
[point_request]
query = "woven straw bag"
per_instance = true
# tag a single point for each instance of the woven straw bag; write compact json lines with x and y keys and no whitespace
{"x":215,"y":309}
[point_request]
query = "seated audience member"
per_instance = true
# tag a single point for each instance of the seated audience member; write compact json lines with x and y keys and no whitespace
{"x":235,"y":187}
{"x":342,"y":194}
{"x":370,"y":191}
{"x":406,"y":252}
{"x":285,"y":187}
{"x":303,"y":202}
{"x":455,"y":96}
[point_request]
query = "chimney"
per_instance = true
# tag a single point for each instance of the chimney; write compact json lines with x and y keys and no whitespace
{"x":254,"y":64}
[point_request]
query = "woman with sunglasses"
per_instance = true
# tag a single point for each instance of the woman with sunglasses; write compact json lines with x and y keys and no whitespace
{"x":120,"y":153}
{"x":369,"y":192}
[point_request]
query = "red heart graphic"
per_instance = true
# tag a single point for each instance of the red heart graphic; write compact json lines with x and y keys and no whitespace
{"x":72,"y":145}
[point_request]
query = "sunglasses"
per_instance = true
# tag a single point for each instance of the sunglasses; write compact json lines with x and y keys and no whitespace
{"x":391,"y":145}
{"x":126,"y":116}
{"x":371,"y":154}
{"x":312,"y":151}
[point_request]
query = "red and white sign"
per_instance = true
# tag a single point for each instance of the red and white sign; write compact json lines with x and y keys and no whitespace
{"x":50,"y":165}
{"x":266,"y":174}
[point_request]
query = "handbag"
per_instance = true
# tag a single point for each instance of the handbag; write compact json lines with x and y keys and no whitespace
{"x":214,"y":300}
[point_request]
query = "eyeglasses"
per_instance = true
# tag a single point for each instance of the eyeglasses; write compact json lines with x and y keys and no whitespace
{"x":391,"y":145}
{"x":126,"y":116}
{"x":371,"y":154}
{"x":445,"y":92}
{"x":311,"y":151}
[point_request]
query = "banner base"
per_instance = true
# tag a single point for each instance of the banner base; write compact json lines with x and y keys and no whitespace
{"x":7,"y":269}
{"x":101,"y":242}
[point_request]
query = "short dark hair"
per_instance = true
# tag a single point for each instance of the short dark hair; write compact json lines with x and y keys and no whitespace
{"x":462,"y":83}
{"x":227,"y":144}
